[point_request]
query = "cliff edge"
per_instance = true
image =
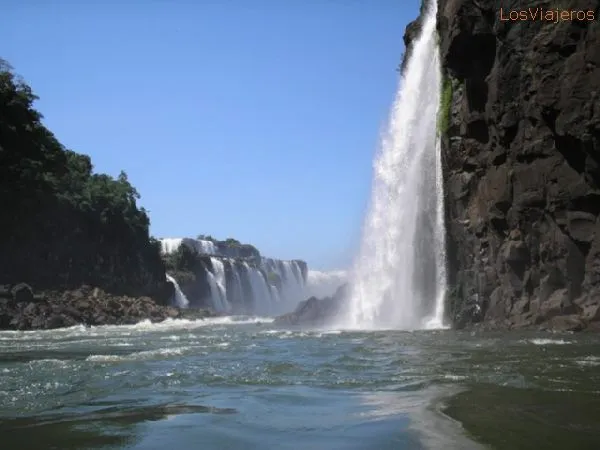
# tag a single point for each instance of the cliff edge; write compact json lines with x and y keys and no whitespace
{"x":520,"y":127}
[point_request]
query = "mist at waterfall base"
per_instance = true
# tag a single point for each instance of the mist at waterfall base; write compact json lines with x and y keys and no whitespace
{"x":180,"y":300}
{"x":399,"y":278}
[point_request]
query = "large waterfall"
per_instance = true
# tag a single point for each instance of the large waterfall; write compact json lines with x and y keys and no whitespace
{"x":399,"y":278}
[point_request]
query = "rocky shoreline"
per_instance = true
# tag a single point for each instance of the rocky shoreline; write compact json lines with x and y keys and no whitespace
{"x":21,"y":309}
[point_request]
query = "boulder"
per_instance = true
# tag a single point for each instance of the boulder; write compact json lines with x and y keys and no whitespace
{"x":22,"y":293}
{"x":314,"y":311}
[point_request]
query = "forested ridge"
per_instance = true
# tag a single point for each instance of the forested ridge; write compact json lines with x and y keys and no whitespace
{"x":61,"y":225}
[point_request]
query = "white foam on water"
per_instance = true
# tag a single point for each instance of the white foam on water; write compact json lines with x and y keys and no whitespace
{"x":115,"y":331}
{"x":143,"y":355}
{"x":543,"y":341}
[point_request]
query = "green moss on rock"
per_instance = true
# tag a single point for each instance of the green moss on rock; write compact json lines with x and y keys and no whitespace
{"x":443,"y":121}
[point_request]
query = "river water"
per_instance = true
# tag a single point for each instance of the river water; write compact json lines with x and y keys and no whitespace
{"x":241,"y":383}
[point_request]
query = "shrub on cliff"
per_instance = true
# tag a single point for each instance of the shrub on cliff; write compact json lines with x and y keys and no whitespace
{"x":184,"y":259}
{"x":233,"y":243}
{"x":443,"y":120}
{"x":62,"y":225}
{"x":274,"y":279}
{"x":245,"y":250}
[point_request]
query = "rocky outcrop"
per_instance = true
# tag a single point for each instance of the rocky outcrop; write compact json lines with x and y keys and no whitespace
{"x":20,"y":309}
{"x":521,"y":150}
{"x":314,"y":311}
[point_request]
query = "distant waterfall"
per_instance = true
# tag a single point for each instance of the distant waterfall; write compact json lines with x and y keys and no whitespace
{"x":219,"y":275}
{"x":294,"y":285}
{"x":238,"y":293}
{"x":242,"y":285}
{"x":263,"y":300}
{"x":180,"y":300}
{"x":202,"y":246}
{"x":399,"y":277}
{"x":216,"y":294}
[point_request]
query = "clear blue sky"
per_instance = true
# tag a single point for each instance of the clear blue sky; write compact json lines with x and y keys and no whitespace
{"x":252,"y":119}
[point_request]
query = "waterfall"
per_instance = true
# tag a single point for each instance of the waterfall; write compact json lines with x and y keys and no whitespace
{"x":170,"y":245}
{"x":216,"y":298}
{"x":276,"y":297}
{"x":180,"y":300}
{"x":201,"y":246}
{"x":205,"y":247}
{"x":219,"y":277}
{"x":265,"y":286}
{"x":398,"y":280}
{"x":260,"y":291}
{"x":239,"y":290}
{"x":293,"y":286}
{"x":437,"y":320}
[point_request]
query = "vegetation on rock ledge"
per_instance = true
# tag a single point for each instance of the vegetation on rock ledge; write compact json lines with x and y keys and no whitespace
{"x":182,"y":264}
{"x":62,"y":225}
{"x":443,"y":121}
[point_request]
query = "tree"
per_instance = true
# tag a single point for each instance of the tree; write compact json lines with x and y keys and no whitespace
{"x":60,"y":222}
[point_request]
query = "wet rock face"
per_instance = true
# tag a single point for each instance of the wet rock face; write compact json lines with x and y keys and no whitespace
{"x":522,"y":163}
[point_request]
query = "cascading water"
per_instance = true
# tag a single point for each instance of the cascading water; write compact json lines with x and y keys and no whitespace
{"x":201,"y":246}
{"x":238,"y":294}
{"x":180,"y":300}
{"x":399,"y":278}
{"x":170,"y":245}
{"x":216,"y":296}
{"x":293,"y":287}
{"x":250,"y":285}
{"x":275,"y":296}
{"x":219,"y":273}
{"x":260,"y":291}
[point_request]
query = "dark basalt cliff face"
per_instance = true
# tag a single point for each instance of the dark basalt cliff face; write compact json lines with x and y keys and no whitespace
{"x":521,"y":149}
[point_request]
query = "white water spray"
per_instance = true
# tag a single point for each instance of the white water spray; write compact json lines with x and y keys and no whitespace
{"x":219,"y":274}
{"x":399,"y":278}
{"x":180,"y":299}
{"x":216,"y":295}
{"x":263,"y":300}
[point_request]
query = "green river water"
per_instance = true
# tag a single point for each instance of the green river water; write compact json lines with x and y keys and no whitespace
{"x":241,"y":383}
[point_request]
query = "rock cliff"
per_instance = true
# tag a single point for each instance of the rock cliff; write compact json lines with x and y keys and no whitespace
{"x":520,"y":126}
